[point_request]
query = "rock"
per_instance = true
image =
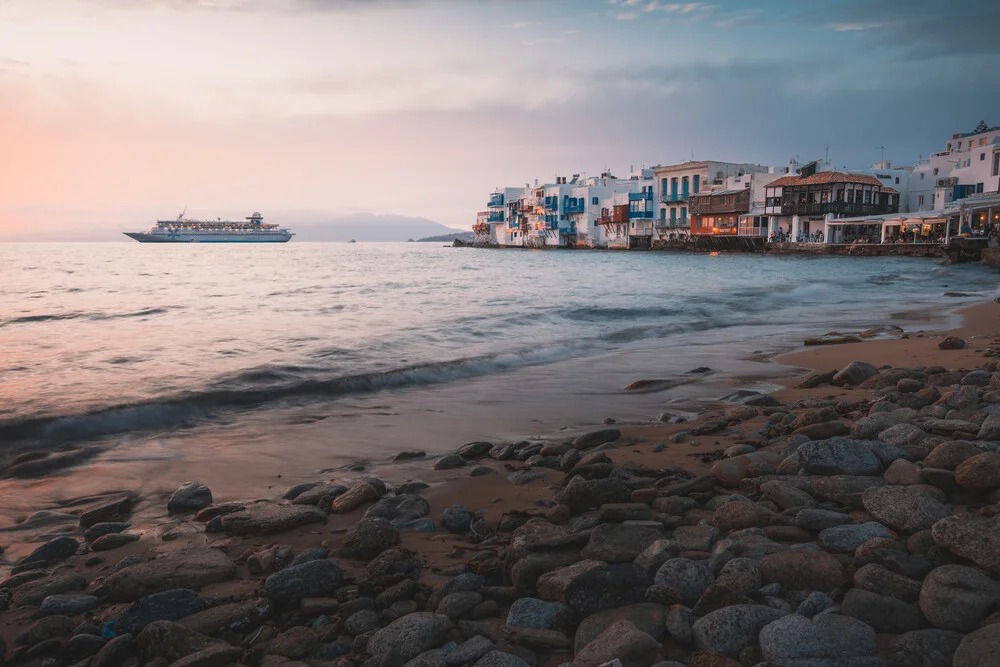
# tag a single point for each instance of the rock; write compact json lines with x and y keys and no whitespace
{"x":32,"y":593}
{"x":883,"y":613}
{"x":320,"y":493}
{"x":106,"y":528}
{"x":831,"y":338}
{"x":619,"y":512}
{"x":740,"y":575}
{"x":82,"y":645}
{"x":952,"y":343}
{"x":268,"y":518}
{"x":854,"y":373}
{"x":449,"y":462}
{"x":457,"y":519}
{"x":297,"y":490}
{"x":850,"y":537}
{"x":741,"y":514}
{"x":474,"y":450}
{"x":409,"y":636}
{"x":190,"y":497}
{"x":522,"y":477}
{"x":294,"y":643}
{"x":902,"y":473}
{"x":68,"y":605}
{"x":238,"y":617}
{"x":879,"y":579}
{"x":318,"y":578}
{"x":53,"y":551}
{"x":648,"y":617}
{"x":590,"y":586}
{"x":838,"y":456}
{"x":828,"y":637}
{"x":819,"y":520}
{"x":622,"y":642}
{"x":903,"y":435}
{"x":979,"y":473}
{"x":687,"y":577}
{"x":46,"y":628}
{"x":402,"y":507}
{"x":972,"y":537}
{"x":535,"y":613}
{"x":459,"y":604}
{"x":171,"y":605}
{"x":115,"y":652}
{"x":367,"y":539}
{"x":185,"y":569}
{"x":165,"y":639}
{"x":955,"y":597}
{"x":948,"y":455}
{"x":580,"y":494}
{"x":354,"y":497}
{"x":114,"y":511}
{"x":785,"y":496}
{"x":113,"y":541}
{"x":595,"y":438}
{"x":815,"y":603}
{"x":979,"y":649}
{"x":844,"y":489}
{"x":731,"y":629}
{"x":501,"y":659}
{"x":619,"y":543}
{"x":803,"y":569}
{"x":213,"y":656}
{"x":904,"y":508}
{"x":923,"y":648}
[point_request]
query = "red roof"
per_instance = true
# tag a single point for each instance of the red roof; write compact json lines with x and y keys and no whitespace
{"x":823,"y":177}
{"x":891,"y":191}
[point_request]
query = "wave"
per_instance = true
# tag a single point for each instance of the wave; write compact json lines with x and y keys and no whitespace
{"x":81,"y":315}
{"x":603,"y":313}
{"x":256,"y":388}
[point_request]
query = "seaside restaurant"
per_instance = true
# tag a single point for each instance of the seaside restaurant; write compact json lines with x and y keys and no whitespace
{"x":923,"y":227}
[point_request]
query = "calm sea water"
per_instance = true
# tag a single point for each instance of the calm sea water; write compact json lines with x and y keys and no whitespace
{"x":235,"y":363}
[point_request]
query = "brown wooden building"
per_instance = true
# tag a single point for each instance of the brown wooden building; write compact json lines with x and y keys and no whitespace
{"x":718,"y":213}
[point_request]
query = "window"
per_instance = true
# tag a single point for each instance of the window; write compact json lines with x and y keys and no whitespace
{"x":920,"y":200}
{"x":921,"y":176}
{"x":982,"y":142}
{"x":996,"y":163}
{"x":949,"y":146}
{"x":697,"y":182}
{"x":982,"y":157}
{"x":684,"y":212}
{"x":935,"y":171}
{"x":979,"y":187}
{"x":663,"y":187}
{"x":897,"y":180}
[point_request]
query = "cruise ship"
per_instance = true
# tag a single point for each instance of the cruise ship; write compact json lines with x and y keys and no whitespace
{"x":184,"y":230}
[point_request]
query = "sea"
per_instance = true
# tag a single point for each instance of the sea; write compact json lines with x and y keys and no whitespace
{"x":249,"y":367}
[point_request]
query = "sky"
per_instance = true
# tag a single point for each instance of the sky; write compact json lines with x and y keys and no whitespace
{"x":116,"y":112}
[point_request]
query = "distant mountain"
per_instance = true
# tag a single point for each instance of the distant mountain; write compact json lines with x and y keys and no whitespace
{"x":447,"y":238}
{"x":366,"y":227}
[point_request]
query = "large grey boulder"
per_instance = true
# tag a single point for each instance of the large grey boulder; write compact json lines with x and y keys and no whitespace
{"x":535,"y":613}
{"x":649,"y":617}
{"x":972,"y":537}
{"x":979,"y":649}
{"x":409,"y":636}
{"x":850,"y":537}
{"x":855,"y":373}
{"x":689,"y":578}
{"x":828,"y":637}
{"x":955,"y":597}
{"x":315,"y":578}
{"x":731,"y":629}
{"x":619,"y":543}
{"x":170,"y":605}
{"x":268,"y":518}
{"x":621,"y":641}
{"x":190,"y":497}
{"x":803,"y":569}
{"x":838,"y":456}
{"x":923,"y":648}
{"x":904,"y":508}
{"x":185,"y":569}
{"x":583,"y":494}
{"x":882,"y":612}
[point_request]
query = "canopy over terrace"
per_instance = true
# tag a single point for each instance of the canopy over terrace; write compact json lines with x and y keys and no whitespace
{"x":919,"y":227}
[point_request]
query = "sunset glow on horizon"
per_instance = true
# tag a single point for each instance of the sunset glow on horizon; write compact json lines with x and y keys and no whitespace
{"x":116,"y":112}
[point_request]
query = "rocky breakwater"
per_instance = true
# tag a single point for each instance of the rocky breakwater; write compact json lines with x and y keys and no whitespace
{"x":861,"y":531}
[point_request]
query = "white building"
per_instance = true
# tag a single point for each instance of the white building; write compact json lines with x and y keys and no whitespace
{"x":969,"y":164}
{"x":677,"y":182}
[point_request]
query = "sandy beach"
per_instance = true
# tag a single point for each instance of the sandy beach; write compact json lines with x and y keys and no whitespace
{"x":700,"y":461}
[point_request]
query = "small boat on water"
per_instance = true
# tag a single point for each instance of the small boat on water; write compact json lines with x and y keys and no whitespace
{"x":183,"y":230}
{"x":352,"y":241}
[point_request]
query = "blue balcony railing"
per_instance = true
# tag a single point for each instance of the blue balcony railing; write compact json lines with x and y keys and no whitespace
{"x":673,"y":197}
{"x":640,"y":215}
{"x":568,"y":230}
{"x":641,"y":196}
{"x":496,"y":216}
{"x":574,"y":208}
{"x":496,"y":199}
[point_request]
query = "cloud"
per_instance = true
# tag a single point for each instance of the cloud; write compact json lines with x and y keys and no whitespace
{"x":290,"y":6}
{"x":626,"y":16}
{"x":678,"y":7}
{"x":838,"y":26}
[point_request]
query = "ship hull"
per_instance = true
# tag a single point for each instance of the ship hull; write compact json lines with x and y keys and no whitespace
{"x":143,"y":237}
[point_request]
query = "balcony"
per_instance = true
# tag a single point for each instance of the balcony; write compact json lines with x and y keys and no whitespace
{"x":640,"y":196}
{"x":666,"y":199}
{"x":574,"y":208}
{"x":640,"y":215}
{"x":495,"y":217}
{"x":496,"y":200}
{"x":568,"y":231}
{"x":848,"y":209}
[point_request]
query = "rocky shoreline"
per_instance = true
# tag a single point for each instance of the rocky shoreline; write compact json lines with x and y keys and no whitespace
{"x":849,"y":521}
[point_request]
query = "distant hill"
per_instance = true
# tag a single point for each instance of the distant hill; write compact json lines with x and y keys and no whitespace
{"x":367,"y":227}
{"x":446,"y":238}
